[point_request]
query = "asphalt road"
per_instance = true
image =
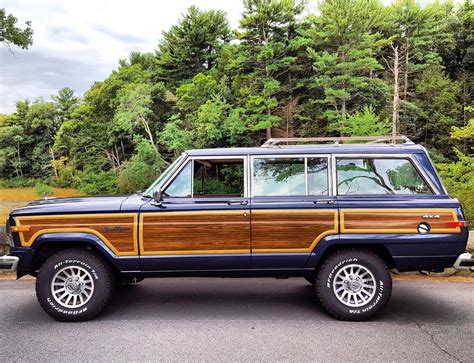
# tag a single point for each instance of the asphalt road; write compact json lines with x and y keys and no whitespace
{"x":184,"y":319}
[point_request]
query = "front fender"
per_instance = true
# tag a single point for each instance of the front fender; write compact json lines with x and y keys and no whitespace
{"x":63,"y":239}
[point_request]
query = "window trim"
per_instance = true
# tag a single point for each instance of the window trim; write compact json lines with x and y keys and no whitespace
{"x":293,"y":156}
{"x":244,"y":159}
{"x":408,"y":157}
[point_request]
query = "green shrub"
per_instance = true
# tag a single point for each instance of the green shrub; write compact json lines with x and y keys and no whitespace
{"x":98,"y":183}
{"x":43,"y":189}
{"x":458,"y":177}
{"x":142,"y":169}
{"x":17,"y":183}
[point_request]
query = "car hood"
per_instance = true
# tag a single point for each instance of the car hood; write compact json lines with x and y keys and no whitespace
{"x":100,"y":204}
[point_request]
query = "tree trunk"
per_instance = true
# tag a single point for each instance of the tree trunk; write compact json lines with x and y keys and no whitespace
{"x":19,"y":160}
{"x":396,"y":93}
{"x":406,"y":71}
{"x":53,"y":162}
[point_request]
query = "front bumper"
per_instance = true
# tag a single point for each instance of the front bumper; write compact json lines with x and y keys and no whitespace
{"x":9,"y":263}
{"x":465,"y":261}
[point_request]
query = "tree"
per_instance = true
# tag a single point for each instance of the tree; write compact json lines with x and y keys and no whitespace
{"x":142,"y":169}
{"x":10,"y":34}
{"x":65,"y":102}
{"x":437,"y":97}
{"x":191,"y":46}
{"x":365,"y":123}
{"x":345,"y":39}
{"x":265,"y":59}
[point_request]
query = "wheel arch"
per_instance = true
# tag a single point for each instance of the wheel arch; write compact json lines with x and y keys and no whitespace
{"x":329,"y":246}
{"x":48,"y":244}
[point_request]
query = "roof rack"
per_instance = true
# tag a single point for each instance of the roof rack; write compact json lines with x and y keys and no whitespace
{"x":356,"y":140}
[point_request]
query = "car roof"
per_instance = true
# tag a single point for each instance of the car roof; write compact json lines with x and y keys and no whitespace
{"x":309,"y":149}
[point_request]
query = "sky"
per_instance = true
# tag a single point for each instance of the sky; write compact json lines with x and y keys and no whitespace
{"x":78,"y":42}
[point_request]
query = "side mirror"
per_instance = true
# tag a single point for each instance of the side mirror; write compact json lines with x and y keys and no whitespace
{"x":157,"y":197}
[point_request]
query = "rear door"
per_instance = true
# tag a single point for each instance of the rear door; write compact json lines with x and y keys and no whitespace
{"x":203,"y":222}
{"x":293,"y":208}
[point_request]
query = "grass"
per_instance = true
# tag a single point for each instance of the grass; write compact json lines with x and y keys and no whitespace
{"x":11,"y":198}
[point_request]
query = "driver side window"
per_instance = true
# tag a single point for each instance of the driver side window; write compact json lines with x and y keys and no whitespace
{"x":208,"y":178}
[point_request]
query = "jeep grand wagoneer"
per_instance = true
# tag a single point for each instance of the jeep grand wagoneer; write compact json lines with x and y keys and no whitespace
{"x":339,"y":215}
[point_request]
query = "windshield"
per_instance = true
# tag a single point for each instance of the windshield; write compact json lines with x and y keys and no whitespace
{"x":149,"y":192}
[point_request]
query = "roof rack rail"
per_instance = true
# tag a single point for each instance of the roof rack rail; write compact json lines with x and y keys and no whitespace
{"x":311,"y":141}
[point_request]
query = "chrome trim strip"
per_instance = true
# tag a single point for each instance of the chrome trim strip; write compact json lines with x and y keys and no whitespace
{"x":13,"y":260}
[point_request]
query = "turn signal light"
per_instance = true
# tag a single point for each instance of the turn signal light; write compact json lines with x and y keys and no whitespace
{"x":20,"y":228}
{"x":456,"y":223}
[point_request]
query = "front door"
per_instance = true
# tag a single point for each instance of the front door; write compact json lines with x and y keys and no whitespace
{"x":292,"y":209}
{"x":203,"y":221}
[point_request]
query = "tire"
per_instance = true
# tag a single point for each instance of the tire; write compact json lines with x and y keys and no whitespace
{"x":74,"y":285}
{"x":339,"y":289}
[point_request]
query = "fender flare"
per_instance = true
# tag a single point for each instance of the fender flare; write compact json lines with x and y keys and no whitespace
{"x":122,"y":263}
{"x":372,"y":241}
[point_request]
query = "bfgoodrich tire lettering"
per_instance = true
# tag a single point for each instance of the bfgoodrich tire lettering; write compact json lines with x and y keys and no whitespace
{"x":78,"y":270}
{"x":353,"y":284}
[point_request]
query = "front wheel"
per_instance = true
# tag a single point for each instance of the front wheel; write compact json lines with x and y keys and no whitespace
{"x":74,"y":285}
{"x":353,"y":284}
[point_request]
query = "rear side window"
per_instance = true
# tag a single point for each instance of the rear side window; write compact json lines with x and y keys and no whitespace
{"x":379,"y":176}
{"x":296,"y":176}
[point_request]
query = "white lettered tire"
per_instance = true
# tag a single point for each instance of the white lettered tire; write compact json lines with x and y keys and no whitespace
{"x":74,"y":285}
{"x":353,"y":284}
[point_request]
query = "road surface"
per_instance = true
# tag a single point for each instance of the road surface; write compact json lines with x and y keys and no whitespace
{"x":211,"y":319}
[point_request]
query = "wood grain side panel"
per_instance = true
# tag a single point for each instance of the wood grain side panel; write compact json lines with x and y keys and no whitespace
{"x":118,"y":231}
{"x":399,"y":220}
{"x":291,"y":230}
{"x":195,"y":232}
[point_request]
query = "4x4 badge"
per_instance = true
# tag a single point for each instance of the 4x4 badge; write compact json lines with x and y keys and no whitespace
{"x":431,"y":216}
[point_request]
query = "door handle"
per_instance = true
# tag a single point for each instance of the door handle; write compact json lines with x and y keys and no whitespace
{"x":330,"y":201}
{"x":237,"y":202}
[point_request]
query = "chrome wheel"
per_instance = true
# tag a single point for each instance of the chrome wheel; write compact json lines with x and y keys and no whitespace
{"x":354,"y":285}
{"x":72,"y":287}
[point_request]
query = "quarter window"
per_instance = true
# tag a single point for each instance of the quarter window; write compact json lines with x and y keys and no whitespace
{"x":180,"y":187}
{"x":379,"y":176}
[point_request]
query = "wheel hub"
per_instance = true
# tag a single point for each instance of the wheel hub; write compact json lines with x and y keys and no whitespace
{"x":354,"y":285}
{"x":72,"y":287}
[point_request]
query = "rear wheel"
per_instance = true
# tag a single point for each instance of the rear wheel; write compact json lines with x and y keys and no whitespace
{"x":74,"y":285}
{"x":353,"y":284}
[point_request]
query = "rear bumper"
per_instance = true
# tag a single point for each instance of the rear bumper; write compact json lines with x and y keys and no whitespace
{"x":9,"y":263}
{"x":465,"y":261}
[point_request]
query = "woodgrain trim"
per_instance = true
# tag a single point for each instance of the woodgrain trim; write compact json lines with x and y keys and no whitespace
{"x":318,"y":238}
{"x":24,"y":221}
{"x":416,"y":220}
{"x":211,"y":213}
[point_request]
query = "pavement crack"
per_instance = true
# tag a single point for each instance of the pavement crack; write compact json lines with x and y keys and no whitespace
{"x":435,"y":343}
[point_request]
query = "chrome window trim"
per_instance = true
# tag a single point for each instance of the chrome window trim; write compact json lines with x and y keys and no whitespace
{"x":294,"y":156}
{"x":220,"y":157}
{"x":409,"y":157}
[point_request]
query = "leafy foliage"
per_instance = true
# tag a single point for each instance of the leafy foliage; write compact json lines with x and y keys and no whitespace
{"x":10,"y":34}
